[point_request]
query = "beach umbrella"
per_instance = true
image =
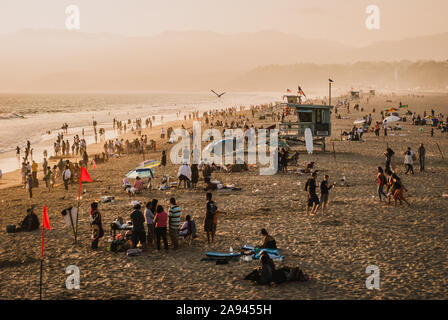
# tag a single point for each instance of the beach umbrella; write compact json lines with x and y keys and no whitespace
{"x":404,"y":106}
{"x":149,"y":164}
{"x":359,"y":121}
{"x":390,"y":109}
{"x":391,"y":119}
{"x":140,"y":172}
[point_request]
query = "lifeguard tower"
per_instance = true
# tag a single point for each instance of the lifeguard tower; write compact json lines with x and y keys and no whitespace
{"x":315,"y":117}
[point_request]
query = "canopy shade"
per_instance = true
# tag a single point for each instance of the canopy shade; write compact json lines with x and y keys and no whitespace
{"x":140,"y":172}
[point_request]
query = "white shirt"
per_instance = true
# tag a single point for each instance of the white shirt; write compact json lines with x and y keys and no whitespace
{"x":67,"y":174}
{"x":185,"y":170}
{"x":408,"y":159}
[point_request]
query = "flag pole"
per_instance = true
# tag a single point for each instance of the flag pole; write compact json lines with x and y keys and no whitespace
{"x":41,"y":258}
{"x":79,"y":200}
{"x":40,"y":285}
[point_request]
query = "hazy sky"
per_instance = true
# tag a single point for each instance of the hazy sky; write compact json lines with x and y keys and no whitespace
{"x":340,"y":20}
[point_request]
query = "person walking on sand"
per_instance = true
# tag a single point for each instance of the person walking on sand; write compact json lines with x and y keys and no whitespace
{"x":421,"y":157}
{"x":29,"y":185}
{"x":382,"y":181}
{"x":324,"y":192}
{"x":389,"y":153}
{"x":210,"y":222}
{"x":96,"y":225}
{"x":66,"y":176}
{"x":408,"y":162}
{"x":398,"y":189}
{"x":47,"y":178}
{"x":313,"y":199}
{"x":174,"y":222}
{"x":160,"y":221}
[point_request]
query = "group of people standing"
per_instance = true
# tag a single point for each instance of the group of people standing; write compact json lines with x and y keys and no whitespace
{"x":389,"y":178}
{"x":154,"y":225}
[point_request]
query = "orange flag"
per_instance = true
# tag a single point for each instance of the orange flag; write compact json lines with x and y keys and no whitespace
{"x":45,"y":225}
{"x":94,"y":164}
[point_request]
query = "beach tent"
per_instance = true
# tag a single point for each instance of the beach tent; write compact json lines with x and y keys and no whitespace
{"x":140,"y":172}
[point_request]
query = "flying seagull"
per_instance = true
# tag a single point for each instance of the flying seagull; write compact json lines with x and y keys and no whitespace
{"x":218,"y":95}
{"x":330,"y":80}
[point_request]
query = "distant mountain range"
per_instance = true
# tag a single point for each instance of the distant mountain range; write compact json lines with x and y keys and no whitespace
{"x":59,"y":60}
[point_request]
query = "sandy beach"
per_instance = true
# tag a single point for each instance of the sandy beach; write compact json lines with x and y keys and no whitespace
{"x":407,"y":244}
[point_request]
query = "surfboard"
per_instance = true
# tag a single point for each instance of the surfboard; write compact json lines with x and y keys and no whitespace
{"x":309,"y":140}
{"x":222,"y":254}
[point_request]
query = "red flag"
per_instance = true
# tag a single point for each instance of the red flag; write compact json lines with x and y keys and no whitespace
{"x":84,"y":176}
{"x":45,"y":225}
{"x":45,"y":219}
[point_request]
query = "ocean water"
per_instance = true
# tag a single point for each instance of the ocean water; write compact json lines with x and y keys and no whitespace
{"x":29,"y":116}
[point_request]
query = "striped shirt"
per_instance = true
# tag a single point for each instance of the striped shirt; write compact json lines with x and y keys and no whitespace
{"x":174,"y":215}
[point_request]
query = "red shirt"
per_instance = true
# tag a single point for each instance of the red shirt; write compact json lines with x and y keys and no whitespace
{"x":161,"y":219}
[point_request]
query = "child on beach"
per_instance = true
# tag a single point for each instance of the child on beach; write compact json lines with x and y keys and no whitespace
{"x":324,"y":192}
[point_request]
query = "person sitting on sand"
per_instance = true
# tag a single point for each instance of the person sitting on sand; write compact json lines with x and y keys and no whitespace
{"x":309,"y":167}
{"x":188,"y":229}
{"x":210,"y":218}
{"x":210,"y":185}
{"x":267,"y":269}
{"x":138,"y":185}
{"x":269,"y":241}
{"x":313,"y":199}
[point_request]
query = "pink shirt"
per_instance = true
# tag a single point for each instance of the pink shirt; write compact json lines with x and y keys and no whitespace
{"x":162,"y":219}
{"x":138,"y":184}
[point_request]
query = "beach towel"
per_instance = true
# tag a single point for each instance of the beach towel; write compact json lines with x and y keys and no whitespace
{"x":274,"y":254}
